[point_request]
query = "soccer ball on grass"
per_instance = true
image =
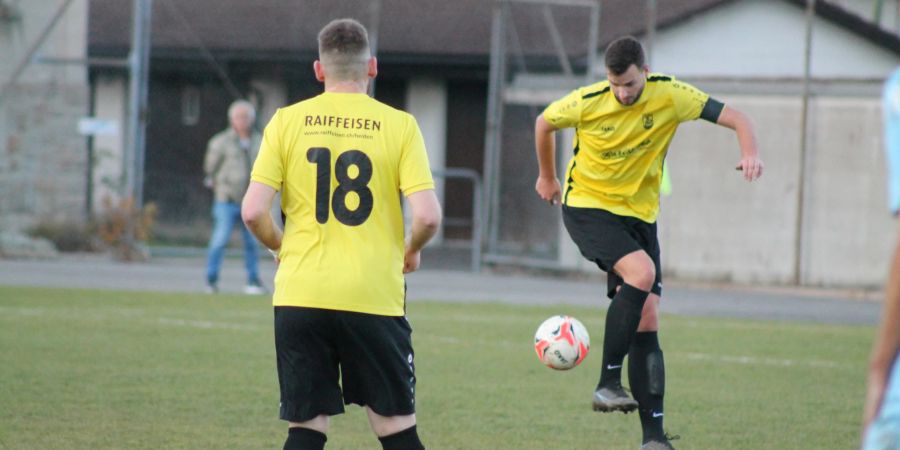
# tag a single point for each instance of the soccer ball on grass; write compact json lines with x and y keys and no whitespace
{"x":561,"y":342}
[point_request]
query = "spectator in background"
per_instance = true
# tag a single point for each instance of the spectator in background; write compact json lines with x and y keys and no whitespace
{"x":229,"y":156}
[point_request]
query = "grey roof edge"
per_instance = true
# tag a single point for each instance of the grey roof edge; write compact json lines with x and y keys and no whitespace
{"x":828,"y":11}
{"x":868,"y":30}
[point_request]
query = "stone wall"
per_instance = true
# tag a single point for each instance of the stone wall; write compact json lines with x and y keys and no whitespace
{"x":43,"y":159}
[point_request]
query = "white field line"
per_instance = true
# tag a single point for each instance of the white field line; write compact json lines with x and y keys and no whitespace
{"x":70,"y":312}
{"x":13,"y":312}
{"x":471,"y":318}
{"x":438,"y":338}
{"x":702,"y":357}
{"x":209,"y":325}
{"x":22,"y":311}
{"x":756,"y":361}
{"x":421,"y":336}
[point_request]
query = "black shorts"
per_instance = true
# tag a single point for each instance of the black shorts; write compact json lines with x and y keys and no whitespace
{"x":604,"y":238}
{"x":371,"y":355}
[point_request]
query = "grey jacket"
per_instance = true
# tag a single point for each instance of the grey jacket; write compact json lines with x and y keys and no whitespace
{"x":227,"y":165}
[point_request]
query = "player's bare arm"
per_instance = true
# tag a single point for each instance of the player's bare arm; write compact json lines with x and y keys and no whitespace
{"x":547,"y":186}
{"x":255,"y":214}
{"x":751,"y":165}
{"x":887,"y":342}
{"x":426,"y":219}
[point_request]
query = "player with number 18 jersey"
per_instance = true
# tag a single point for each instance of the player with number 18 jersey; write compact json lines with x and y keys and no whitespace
{"x":341,"y":176}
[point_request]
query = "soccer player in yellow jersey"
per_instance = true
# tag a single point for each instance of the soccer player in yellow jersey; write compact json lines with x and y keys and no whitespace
{"x":610,"y":200}
{"x":341,"y":161}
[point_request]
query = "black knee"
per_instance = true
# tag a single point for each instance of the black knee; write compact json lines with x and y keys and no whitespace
{"x":301,"y":438}
{"x":407,"y":439}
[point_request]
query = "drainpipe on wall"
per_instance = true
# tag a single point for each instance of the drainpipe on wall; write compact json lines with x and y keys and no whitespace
{"x":804,"y":143}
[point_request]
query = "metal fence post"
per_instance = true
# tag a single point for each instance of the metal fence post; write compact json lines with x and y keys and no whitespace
{"x":477,"y":212}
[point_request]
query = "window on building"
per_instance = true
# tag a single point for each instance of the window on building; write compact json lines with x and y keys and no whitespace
{"x":190,"y":105}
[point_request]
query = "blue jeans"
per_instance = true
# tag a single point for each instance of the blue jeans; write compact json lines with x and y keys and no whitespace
{"x":225,"y":216}
{"x":884,"y":433}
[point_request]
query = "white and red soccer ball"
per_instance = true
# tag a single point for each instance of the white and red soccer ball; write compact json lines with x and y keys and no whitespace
{"x":562,"y":342}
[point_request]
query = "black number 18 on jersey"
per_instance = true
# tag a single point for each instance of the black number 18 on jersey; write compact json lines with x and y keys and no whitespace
{"x":321,"y":157}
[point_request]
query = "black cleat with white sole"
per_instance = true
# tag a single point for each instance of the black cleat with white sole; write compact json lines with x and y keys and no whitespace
{"x":613,"y":398}
{"x":657,"y":445}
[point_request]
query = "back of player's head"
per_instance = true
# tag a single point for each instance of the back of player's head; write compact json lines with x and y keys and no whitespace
{"x":344,"y":50}
{"x":622,"y":53}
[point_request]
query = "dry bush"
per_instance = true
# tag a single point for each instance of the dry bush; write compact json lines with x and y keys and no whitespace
{"x":122,"y":227}
{"x":66,"y":235}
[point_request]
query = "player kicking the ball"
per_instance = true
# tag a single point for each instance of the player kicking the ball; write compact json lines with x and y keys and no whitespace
{"x":340,"y":160}
{"x":610,"y":203}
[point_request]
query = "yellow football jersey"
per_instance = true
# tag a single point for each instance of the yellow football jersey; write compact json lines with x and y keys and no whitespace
{"x":341,"y":162}
{"x":619,"y":150}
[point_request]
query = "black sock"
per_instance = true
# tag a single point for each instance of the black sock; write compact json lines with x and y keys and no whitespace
{"x":647,"y":376}
{"x":622,"y":319}
{"x":407,"y":439}
{"x":300,"y":438}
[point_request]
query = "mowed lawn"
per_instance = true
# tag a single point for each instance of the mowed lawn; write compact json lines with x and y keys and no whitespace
{"x":107,"y":370}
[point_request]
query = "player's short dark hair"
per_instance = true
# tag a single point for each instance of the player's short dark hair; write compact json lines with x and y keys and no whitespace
{"x":622,"y":53}
{"x":344,"y":49}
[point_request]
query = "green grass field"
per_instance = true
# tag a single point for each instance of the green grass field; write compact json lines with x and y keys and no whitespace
{"x":97,"y":370}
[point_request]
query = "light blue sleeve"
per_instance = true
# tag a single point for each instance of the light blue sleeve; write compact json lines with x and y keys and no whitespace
{"x":891,"y":108}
